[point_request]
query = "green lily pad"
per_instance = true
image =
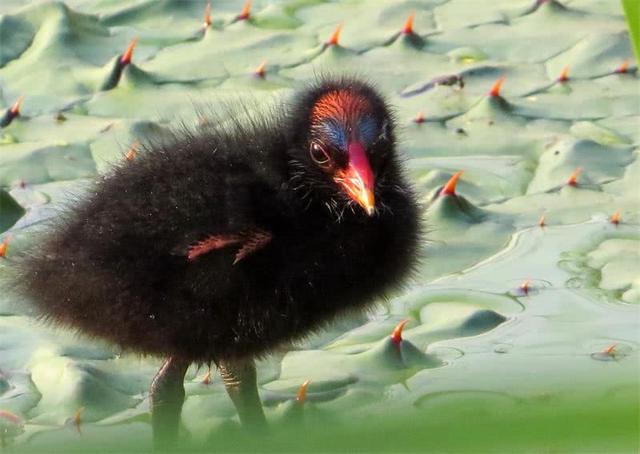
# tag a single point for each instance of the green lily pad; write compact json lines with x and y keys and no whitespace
{"x":10,"y":210}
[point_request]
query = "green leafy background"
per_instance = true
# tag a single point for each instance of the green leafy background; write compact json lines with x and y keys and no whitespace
{"x":484,"y":365}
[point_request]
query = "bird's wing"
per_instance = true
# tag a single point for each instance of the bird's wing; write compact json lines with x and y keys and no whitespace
{"x":254,"y":241}
{"x":224,"y":213}
{"x":211,"y":243}
{"x":250,"y":241}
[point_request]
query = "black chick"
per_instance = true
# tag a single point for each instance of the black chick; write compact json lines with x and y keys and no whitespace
{"x":225,"y":244}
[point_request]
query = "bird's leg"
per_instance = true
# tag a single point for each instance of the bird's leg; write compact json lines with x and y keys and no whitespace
{"x":167,"y":397}
{"x":239,"y":377}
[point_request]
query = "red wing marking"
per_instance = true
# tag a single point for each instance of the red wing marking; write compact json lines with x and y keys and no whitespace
{"x":253,"y":241}
{"x":250,"y":240}
{"x":212,"y":243}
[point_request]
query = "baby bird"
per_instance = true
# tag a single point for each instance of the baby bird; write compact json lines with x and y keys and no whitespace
{"x":224,"y":244}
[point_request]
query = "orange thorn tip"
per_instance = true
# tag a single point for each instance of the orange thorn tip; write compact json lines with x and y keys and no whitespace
{"x":525,"y":286}
{"x":3,"y":247}
{"x":419,"y":118}
{"x":623,"y":68}
{"x":207,"y":15}
{"x":610,"y":350}
{"x":450,"y":187}
{"x":564,"y":74}
{"x":408,"y":25}
{"x":133,"y":151}
{"x":260,"y":70}
{"x":497,"y":86}
{"x":15,"y":109}
{"x":246,"y":11}
{"x":396,"y":335}
{"x":615,"y":218}
{"x":77,"y":417}
{"x":573,"y":178}
{"x":128,"y":54}
{"x":207,"y":378}
{"x":301,"y":397}
{"x":542,"y":222}
{"x":335,"y":36}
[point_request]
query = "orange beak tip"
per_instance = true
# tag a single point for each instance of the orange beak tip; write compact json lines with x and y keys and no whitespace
{"x":357,"y":180}
{"x":368,"y":202}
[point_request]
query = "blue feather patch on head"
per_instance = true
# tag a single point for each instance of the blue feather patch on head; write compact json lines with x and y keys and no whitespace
{"x":336,"y":134}
{"x":340,"y":116}
{"x":367,"y":129}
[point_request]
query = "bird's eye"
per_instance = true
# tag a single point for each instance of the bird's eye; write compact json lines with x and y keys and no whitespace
{"x":319,"y":155}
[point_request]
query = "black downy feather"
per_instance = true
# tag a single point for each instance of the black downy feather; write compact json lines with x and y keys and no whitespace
{"x":115,"y":265}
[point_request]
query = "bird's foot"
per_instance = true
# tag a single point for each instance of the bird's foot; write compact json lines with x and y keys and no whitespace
{"x":167,"y":397}
{"x":239,"y":377}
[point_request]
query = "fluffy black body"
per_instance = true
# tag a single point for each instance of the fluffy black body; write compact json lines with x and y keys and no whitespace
{"x":115,"y":265}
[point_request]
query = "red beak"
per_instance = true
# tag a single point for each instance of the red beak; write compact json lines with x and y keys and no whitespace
{"x":357,"y":179}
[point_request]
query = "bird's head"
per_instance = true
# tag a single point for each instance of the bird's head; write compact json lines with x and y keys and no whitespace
{"x":344,"y":140}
